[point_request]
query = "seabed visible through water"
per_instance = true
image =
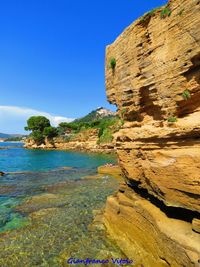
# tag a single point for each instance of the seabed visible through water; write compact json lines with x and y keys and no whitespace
{"x":46,"y":209}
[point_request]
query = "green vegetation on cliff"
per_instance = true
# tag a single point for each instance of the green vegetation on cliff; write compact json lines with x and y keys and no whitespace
{"x":186,"y":95}
{"x":101,"y":123}
{"x":172,"y":119}
{"x":166,"y":12}
{"x":106,"y":127}
{"x":112,"y":63}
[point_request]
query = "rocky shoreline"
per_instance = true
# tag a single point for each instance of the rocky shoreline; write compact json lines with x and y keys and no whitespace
{"x":89,"y":145}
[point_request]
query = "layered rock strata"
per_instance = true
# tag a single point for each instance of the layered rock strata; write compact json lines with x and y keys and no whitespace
{"x":155,"y":84}
{"x":149,"y":233}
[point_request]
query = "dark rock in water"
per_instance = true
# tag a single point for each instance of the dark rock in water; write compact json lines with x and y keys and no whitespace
{"x":2,"y":173}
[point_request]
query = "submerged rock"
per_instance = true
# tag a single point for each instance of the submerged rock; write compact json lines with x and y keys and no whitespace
{"x":39,"y":202}
{"x":41,"y":213}
{"x":6,"y":189}
{"x":110,"y":169}
{"x":57,"y":226}
{"x":2,"y":173}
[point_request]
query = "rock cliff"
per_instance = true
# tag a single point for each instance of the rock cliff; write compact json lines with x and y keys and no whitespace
{"x":155,"y":83}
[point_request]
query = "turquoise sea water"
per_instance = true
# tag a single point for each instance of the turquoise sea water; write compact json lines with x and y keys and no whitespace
{"x":16,"y":158}
{"x":47,"y":204}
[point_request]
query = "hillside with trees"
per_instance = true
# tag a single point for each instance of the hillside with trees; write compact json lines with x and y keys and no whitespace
{"x":99,"y":125}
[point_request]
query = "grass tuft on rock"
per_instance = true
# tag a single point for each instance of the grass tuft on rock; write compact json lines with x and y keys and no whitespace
{"x":112,"y":63}
{"x":186,"y":95}
{"x":172,"y":119}
{"x":106,"y":136}
{"x":166,"y":12}
{"x":146,"y":17}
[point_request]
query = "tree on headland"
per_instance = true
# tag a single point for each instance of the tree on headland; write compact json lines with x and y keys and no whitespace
{"x":50,"y":132}
{"x":37,"y":123}
{"x":37,"y":136}
{"x":41,"y":128}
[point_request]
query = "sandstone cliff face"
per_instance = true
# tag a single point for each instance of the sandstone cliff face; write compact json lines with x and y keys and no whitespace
{"x":156,"y":79}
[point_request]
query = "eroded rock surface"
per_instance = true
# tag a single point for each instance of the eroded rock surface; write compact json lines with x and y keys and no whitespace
{"x":156,"y":87}
{"x":148,"y":234}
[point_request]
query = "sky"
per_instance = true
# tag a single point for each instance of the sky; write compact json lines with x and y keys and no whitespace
{"x":52,"y":56}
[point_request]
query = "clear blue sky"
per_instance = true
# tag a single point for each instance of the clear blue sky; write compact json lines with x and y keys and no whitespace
{"x":52,"y":52}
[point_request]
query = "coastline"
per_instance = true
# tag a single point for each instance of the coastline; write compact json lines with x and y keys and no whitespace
{"x":84,"y":146}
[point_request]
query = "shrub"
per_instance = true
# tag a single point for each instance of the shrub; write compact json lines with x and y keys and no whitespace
{"x":50,"y":132}
{"x":107,"y":123}
{"x":64,"y":125}
{"x":124,"y":110}
{"x":112,"y":63}
{"x":186,"y":95}
{"x":100,"y":132}
{"x":95,"y":123}
{"x":148,"y":15}
{"x":172,"y":119}
{"x":75,"y":126}
{"x":122,"y":122}
{"x":106,"y":136}
{"x":67,"y":138}
{"x":166,"y":12}
{"x":38,"y":137}
{"x":106,"y":127}
{"x":118,"y":125}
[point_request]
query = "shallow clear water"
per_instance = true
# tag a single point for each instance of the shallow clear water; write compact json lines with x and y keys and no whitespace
{"x":13,"y":157}
{"x":46,"y":208}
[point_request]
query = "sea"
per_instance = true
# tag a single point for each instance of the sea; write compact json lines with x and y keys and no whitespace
{"x":48,"y":201}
